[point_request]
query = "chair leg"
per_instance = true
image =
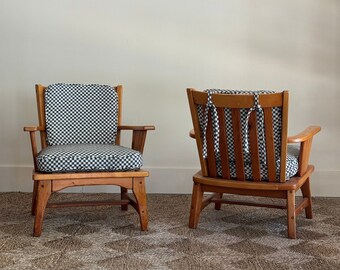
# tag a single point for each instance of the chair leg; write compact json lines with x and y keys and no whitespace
{"x":123,"y":193}
{"x":138,"y":190}
{"x":306,"y":192}
{"x":291,"y":216}
{"x":196,"y":205}
{"x":217,"y":204}
{"x":43,"y":194}
{"x":34,"y":197}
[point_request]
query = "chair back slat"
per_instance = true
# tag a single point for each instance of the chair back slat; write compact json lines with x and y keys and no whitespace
{"x":211,"y":150}
{"x":238,"y":148}
{"x":223,"y":144}
{"x":284,"y":136}
{"x":254,"y":149}
{"x":270,"y":151}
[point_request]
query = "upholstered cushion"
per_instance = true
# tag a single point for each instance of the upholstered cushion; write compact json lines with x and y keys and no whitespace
{"x":88,"y":157}
{"x":292,"y":161}
{"x":292,"y":165}
{"x":81,"y":113}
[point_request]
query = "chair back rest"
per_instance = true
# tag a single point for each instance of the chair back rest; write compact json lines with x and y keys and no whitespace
{"x":80,"y":113}
{"x":241,"y":135}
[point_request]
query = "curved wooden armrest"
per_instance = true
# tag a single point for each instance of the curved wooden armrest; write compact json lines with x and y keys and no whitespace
{"x":138,"y":135}
{"x":304,"y":135}
{"x":305,"y":139}
{"x":192,"y":134}
{"x":136,"y":127}
{"x":33,"y":128}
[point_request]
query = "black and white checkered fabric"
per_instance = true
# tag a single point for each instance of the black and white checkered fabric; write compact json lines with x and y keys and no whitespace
{"x":81,"y":113}
{"x":291,"y":168}
{"x":88,"y":157}
{"x":292,"y":165}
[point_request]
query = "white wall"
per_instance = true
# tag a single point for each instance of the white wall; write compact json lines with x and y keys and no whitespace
{"x":157,"y":49}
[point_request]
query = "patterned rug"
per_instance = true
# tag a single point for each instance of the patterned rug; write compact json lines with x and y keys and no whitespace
{"x":236,"y":237}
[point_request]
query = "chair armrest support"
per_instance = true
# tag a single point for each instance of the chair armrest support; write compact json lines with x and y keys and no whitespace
{"x":192,"y":134}
{"x":32,"y":130}
{"x":305,"y":139}
{"x":138,"y":135}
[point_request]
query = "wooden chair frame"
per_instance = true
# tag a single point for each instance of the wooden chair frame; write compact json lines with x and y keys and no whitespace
{"x":47,"y":183}
{"x":206,"y":180}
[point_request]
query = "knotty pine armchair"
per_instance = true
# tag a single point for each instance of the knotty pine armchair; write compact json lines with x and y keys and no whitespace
{"x":80,"y":129}
{"x":242,"y":140}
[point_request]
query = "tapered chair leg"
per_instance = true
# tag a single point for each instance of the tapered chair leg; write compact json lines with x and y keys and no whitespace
{"x":196,"y":205}
{"x":306,"y":192}
{"x":43,"y":194}
{"x":218,"y":204}
{"x":34,"y":197}
{"x":291,"y":216}
{"x":123,"y":196}
{"x":140,"y":195}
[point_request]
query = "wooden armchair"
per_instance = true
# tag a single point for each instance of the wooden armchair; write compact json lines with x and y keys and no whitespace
{"x":242,"y":145}
{"x":80,"y":128}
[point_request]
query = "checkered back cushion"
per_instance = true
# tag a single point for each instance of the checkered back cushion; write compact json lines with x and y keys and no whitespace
{"x":277,"y":118}
{"x":81,"y":113}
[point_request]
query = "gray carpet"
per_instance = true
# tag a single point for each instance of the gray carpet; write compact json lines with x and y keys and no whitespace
{"x":237,"y":237}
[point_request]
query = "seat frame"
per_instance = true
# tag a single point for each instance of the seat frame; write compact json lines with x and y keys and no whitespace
{"x":47,"y":183}
{"x":206,"y":179}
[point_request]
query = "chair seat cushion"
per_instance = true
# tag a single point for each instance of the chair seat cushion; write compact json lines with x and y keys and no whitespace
{"x":292,"y":162}
{"x":88,"y":157}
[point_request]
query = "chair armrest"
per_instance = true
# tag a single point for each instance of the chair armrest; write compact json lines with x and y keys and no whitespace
{"x":33,"y":128}
{"x":304,"y":135}
{"x":192,"y":134}
{"x":136,"y":127}
{"x":138,"y":136}
{"x":305,"y":139}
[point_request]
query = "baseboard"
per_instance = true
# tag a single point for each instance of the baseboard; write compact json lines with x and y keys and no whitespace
{"x":161,"y":180}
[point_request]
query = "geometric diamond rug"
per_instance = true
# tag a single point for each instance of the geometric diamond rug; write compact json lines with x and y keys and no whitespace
{"x":236,"y":237}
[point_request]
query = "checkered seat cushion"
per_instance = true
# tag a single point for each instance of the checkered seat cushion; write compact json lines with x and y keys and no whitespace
{"x":88,"y":157}
{"x":292,"y":152}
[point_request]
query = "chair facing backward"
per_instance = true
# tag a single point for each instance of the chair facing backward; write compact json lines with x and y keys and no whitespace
{"x":80,"y":128}
{"x":242,"y":142}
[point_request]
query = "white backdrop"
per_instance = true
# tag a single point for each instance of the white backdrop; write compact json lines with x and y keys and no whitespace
{"x":156,"y":49}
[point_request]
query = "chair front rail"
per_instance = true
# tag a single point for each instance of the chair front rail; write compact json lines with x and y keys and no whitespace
{"x":65,"y":183}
